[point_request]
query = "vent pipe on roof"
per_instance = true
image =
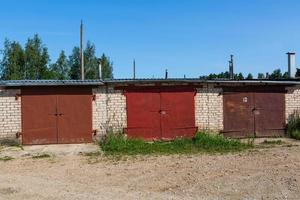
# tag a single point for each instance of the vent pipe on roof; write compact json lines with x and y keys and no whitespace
{"x":133,"y":68}
{"x":291,"y":64}
{"x":166,"y":76}
{"x":231,"y":74}
{"x":100,"y":69}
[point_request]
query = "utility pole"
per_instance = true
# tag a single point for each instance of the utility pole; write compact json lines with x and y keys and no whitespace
{"x":166,"y":75}
{"x":133,"y":68}
{"x":81,"y":51}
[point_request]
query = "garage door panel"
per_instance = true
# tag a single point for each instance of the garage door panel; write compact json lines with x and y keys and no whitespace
{"x":56,"y":115}
{"x":177,"y":114}
{"x":39,"y":124}
{"x":238,"y":118}
{"x":74,"y":118}
{"x":143,"y":117}
{"x":269,"y":114}
{"x":264,"y":114}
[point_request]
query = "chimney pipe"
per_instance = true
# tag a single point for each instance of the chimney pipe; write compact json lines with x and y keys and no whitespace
{"x":291,"y":64}
{"x":166,"y":76}
{"x":100,"y":69}
{"x":231,"y":74}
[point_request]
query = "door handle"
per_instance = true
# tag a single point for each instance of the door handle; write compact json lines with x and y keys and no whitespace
{"x":58,"y":114}
{"x":162,"y":112}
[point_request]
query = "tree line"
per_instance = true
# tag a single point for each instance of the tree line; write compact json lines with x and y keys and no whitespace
{"x":276,"y":74}
{"x":33,"y":62}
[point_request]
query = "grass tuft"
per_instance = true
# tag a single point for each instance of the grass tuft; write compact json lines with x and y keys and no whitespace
{"x":293,"y":126}
{"x":41,"y":156}
{"x":6,"y":158}
{"x":203,"y":142}
{"x":9,"y":142}
{"x":279,"y":142}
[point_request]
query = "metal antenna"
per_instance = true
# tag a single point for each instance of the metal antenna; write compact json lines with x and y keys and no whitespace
{"x":133,"y":68}
{"x":81,"y":51}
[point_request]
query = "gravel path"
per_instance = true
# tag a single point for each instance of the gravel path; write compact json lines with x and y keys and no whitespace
{"x":263,"y":173}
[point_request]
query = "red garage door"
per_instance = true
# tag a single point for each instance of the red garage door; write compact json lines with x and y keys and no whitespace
{"x":160,"y":113}
{"x":257,"y":112}
{"x":56,"y":115}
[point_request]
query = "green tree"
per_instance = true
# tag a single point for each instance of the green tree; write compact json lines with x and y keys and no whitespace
{"x":260,"y":75}
{"x":249,"y":76}
{"x":107,"y":67}
{"x":74,"y":64}
{"x":238,"y":76}
{"x":298,"y":72}
{"x":60,"y":69}
{"x":276,"y":74}
{"x":36,"y":59}
{"x":12,"y":63}
{"x":90,"y":61}
{"x":285,"y":75}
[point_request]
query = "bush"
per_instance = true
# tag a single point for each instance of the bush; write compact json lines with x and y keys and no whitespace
{"x":293,"y":126}
{"x":203,"y":142}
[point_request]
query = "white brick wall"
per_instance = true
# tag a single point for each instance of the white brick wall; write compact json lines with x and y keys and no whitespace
{"x":10,"y":113}
{"x":292,"y":101}
{"x":109,"y":110}
{"x":209,"y":108}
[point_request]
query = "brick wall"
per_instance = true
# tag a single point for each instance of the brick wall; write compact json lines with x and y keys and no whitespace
{"x":292,"y":101}
{"x":109,"y":110}
{"x":10,"y":113}
{"x":209,"y":108}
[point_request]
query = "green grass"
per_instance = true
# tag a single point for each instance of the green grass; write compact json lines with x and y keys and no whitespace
{"x":115,"y":144}
{"x":6,"y":158}
{"x":41,"y":156}
{"x":293,"y":126}
{"x":9,"y":142}
{"x":272,"y":142}
{"x":295,"y":134}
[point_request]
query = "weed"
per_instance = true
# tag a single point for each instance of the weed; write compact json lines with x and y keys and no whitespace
{"x":272,"y":142}
{"x":203,"y":142}
{"x":9,"y":142}
{"x":6,"y":158}
{"x":293,"y":126}
{"x":41,"y":156}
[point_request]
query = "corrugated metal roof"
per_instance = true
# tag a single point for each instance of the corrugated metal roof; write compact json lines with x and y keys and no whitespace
{"x":204,"y":81}
{"x":21,"y":83}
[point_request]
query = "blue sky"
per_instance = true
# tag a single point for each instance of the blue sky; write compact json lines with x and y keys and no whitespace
{"x":191,"y":37}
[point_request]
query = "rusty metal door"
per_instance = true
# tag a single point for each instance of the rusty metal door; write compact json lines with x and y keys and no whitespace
{"x":177,"y":113}
{"x":56,"y":115}
{"x":39,"y":122}
{"x":160,"y":113}
{"x":269,"y":114}
{"x":238,"y":117}
{"x":74,"y":108}
{"x":259,"y":112}
{"x":143,"y":113}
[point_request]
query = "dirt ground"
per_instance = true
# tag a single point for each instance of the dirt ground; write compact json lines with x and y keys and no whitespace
{"x":261,"y":173}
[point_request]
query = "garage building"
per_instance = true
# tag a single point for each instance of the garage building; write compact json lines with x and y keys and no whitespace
{"x":51,"y":112}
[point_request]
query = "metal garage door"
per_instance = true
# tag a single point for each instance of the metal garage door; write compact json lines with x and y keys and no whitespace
{"x":259,"y":112}
{"x":160,"y":113}
{"x":56,"y":115}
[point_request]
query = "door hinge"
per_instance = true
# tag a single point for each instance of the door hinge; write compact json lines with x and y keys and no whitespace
{"x":18,"y":134}
{"x":17,"y":96}
{"x":94,"y":97}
